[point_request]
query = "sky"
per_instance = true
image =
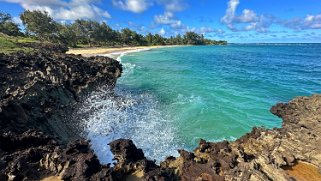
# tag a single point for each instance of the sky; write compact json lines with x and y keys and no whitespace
{"x":237,"y":21}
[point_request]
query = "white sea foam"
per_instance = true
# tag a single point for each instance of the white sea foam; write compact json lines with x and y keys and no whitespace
{"x":128,"y":114}
{"x":119,"y":55}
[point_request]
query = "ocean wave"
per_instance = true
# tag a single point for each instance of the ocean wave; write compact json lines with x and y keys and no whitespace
{"x":119,"y":55}
{"x":130,"y":115}
{"x":128,"y":68}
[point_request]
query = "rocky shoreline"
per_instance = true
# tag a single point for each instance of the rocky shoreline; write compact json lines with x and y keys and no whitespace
{"x":37,"y":139}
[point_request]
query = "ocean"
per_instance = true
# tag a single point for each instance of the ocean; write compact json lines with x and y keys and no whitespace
{"x":170,"y":98}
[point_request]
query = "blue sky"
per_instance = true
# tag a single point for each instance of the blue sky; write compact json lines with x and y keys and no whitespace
{"x":236,"y":21}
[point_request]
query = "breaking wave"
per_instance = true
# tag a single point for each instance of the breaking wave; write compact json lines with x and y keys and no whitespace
{"x":129,"y":114}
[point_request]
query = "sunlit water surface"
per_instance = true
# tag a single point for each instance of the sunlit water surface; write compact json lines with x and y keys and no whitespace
{"x":169,"y":98}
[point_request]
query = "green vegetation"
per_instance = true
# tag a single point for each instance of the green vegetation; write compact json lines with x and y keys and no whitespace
{"x":40,"y":25}
{"x":7,"y":26}
{"x":9,"y":44}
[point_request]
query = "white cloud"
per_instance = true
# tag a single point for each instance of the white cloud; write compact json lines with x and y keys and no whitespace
{"x":313,"y":21}
{"x":247,"y":21}
{"x":168,"y":18}
{"x":248,"y":16}
{"x":162,"y":32}
{"x":203,"y":30}
{"x":230,"y":13}
{"x":173,"y":5}
{"x":259,"y":24}
{"x":250,"y":21}
{"x":61,"y":10}
{"x":309,"y":22}
{"x":136,"y":6}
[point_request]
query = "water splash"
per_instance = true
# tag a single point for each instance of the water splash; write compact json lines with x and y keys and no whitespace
{"x":128,"y":114}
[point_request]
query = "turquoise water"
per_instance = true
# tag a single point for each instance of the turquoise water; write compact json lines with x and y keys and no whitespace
{"x":172,"y":97}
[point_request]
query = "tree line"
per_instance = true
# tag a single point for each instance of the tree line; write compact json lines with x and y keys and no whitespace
{"x":40,"y":25}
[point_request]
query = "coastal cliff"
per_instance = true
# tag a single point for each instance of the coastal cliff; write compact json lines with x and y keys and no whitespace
{"x":38,"y":139}
{"x":38,"y":93}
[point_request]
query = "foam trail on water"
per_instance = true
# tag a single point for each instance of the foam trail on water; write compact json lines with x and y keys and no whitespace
{"x":119,"y":55}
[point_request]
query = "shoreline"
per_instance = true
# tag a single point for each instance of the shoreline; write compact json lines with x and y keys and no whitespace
{"x":114,"y":52}
{"x":38,"y":139}
{"x":282,"y":164}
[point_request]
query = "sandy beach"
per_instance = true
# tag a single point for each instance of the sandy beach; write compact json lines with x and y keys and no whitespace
{"x":110,"y":52}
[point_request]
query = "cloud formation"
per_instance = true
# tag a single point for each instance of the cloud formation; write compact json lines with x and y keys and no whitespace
{"x":249,"y":20}
{"x":162,"y":32}
{"x":135,"y":6}
{"x":313,"y":21}
{"x":176,"y":26}
{"x":168,"y":18}
{"x":173,"y":5}
{"x":309,"y":22}
{"x":61,"y":10}
{"x":139,"y":6}
{"x":229,"y":16}
{"x":247,"y":16}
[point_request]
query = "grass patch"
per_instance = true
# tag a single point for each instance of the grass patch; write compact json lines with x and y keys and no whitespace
{"x":10,"y":44}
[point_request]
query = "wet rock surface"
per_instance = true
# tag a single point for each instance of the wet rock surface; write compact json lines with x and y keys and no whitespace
{"x":39,"y":91}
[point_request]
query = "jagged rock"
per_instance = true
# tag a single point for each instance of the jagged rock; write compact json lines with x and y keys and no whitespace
{"x":34,"y":155}
{"x":76,"y":162}
{"x":21,"y":154}
{"x":125,"y":151}
{"x":129,"y":159}
{"x":40,"y":90}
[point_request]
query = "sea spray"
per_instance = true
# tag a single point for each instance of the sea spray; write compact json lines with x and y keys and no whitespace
{"x":131,"y":115}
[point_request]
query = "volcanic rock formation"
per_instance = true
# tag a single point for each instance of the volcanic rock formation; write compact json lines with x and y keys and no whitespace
{"x":38,"y":94}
